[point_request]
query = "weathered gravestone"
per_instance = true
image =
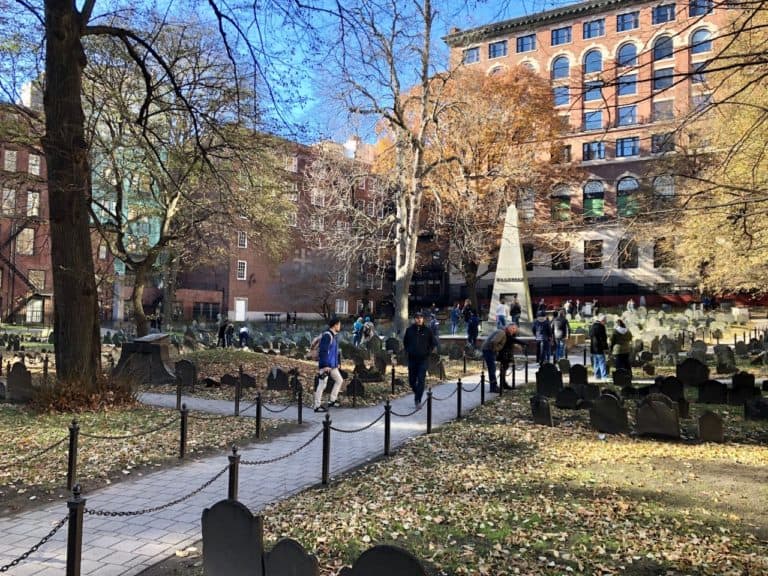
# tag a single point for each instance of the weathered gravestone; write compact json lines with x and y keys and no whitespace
{"x":186,"y":374}
{"x":756,"y":408}
{"x":711,"y":427}
{"x":393,"y":344}
{"x":385,"y":560}
{"x":713,"y":392}
{"x":622,"y":378}
{"x":629,"y":393}
{"x":668,"y":350}
{"x":2,"y":391}
{"x":541,"y":411}
{"x":230,"y":380}
{"x":577,"y":376}
{"x":567,"y":399}
{"x":455,"y":353}
{"x":277,"y":379}
{"x":649,"y":369}
{"x":549,"y":380}
{"x":19,"y":387}
{"x":436,"y":366}
{"x":146,"y":361}
{"x":232,"y":540}
{"x":590,"y":391}
{"x":725,"y":359}
{"x":742,"y":389}
{"x":288,"y":558}
{"x":657,"y":416}
{"x":741,"y":349}
{"x":564,"y":365}
{"x":691,"y":372}
{"x":672,"y":387}
{"x":683,"y":408}
{"x":248,"y":381}
{"x":380,"y":362}
{"x":355,"y":387}
{"x":608,"y":415}
{"x":209,"y":382}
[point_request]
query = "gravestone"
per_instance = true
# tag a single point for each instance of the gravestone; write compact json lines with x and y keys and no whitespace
{"x":209,"y":382}
{"x":393,"y":344}
{"x":711,"y":427}
{"x":622,"y":378}
{"x":19,"y":388}
{"x":436,"y":366}
{"x":355,"y":387}
{"x":698,"y":351}
{"x":740,"y":349}
{"x":713,"y":392}
{"x":380,"y":362}
{"x":564,"y":365}
{"x":645,"y":357}
{"x":549,"y":380}
{"x":230,"y":380}
{"x":577,"y":376}
{"x":190,"y":338}
{"x":655,"y":345}
{"x":567,"y":399}
{"x":725,"y":359}
{"x":146,"y":361}
{"x":691,"y":372}
{"x":248,"y":381}
{"x":629,"y":393}
{"x":649,"y":369}
{"x":232,"y":540}
{"x":277,"y":379}
{"x":657,"y":416}
{"x":289,"y":558}
{"x":742,"y":389}
{"x":2,"y":391}
{"x":455,"y":353}
{"x":683,"y":408}
{"x":756,"y":408}
{"x":385,"y":560}
{"x":608,"y":415}
{"x":541,"y":411}
{"x":590,"y":391}
{"x":672,"y":387}
{"x":186,"y":374}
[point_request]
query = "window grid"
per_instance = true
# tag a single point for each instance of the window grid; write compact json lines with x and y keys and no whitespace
{"x":9,"y":162}
{"x":663,"y":13}
{"x":627,"y":147}
{"x":593,"y":90}
{"x":627,"y":85}
{"x":526,"y":43}
{"x":593,"y":120}
{"x":593,"y":62}
{"x":627,"y":55}
{"x":34,"y":164}
{"x":593,"y":254}
{"x":561,"y":36}
{"x":594,"y":28}
{"x":562,"y":95}
{"x":560,"y":68}
{"x":661,"y":143}
{"x":33,"y":203}
{"x":242,"y":239}
{"x":663,"y":48}
{"x":663,"y":78}
{"x":700,"y":7}
{"x":497,"y":49}
{"x":593,"y":151}
{"x":628,"y":21}
{"x":626,"y":115}
{"x":701,"y":42}
{"x":242,"y":269}
{"x":663,"y":110}
{"x":471,"y":55}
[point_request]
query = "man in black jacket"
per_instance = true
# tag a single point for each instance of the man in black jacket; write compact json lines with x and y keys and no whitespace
{"x":598,"y":344}
{"x":418,"y":342}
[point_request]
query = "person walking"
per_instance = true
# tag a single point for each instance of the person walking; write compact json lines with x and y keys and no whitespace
{"x":357,"y":331}
{"x":515,"y":311}
{"x":621,"y":346}
{"x":473,"y":329}
{"x":498,"y":346}
{"x":598,"y":344}
{"x":561,"y":330}
{"x":501,"y":314}
{"x":542,"y":332}
{"x":418,"y":342}
{"x":455,"y":318}
{"x":328,"y":365}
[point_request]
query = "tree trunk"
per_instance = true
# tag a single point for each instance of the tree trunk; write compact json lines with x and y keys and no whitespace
{"x":75,"y":310}
{"x":139,"y":281}
{"x":171,"y":275}
{"x":402,"y":283}
{"x":469,"y":270}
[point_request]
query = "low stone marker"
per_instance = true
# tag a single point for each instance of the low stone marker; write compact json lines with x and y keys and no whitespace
{"x":186,"y":374}
{"x":288,"y":558}
{"x":756,"y":409}
{"x":19,"y":388}
{"x":711,"y":427}
{"x":577,"y":376}
{"x":146,"y":361}
{"x":232,"y":540}
{"x":230,"y":380}
{"x":657,"y":416}
{"x":564,"y":365}
{"x":549,"y":380}
{"x":621,"y":378}
{"x":385,"y":560}
{"x":567,"y":399}
{"x":725,"y":359}
{"x":590,"y":391}
{"x":608,"y":415}
{"x":277,"y":379}
{"x":713,"y":392}
{"x":630,"y":393}
{"x":672,"y":387}
{"x":691,"y":372}
{"x":541,"y":412}
{"x":742,"y":389}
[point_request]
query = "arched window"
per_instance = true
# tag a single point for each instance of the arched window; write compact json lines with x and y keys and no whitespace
{"x":561,"y":203}
{"x":627,"y":55}
{"x":528,"y":65}
{"x":627,"y":204}
{"x":662,"y":48}
{"x":664,"y":186}
{"x":594,"y":199}
{"x":701,"y":41}
{"x":560,"y":68}
{"x":593,"y":61}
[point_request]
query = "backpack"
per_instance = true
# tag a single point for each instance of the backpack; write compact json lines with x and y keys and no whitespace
{"x":314,"y":347}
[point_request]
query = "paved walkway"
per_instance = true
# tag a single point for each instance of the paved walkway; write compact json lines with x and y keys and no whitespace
{"x":115,"y":546}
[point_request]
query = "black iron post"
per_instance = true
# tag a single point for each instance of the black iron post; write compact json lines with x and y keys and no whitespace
{"x":482,"y":388}
{"x":300,"y":407}
{"x":464,"y":357}
{"x":429,"y":411}
{"x":74,"y":434}
{"x":326,"y":448}
{"x":585,"y":355}
{"x":258,"y":414}
{"x":459,"y":390}
{"x":387,"y":424}
{"x":238,"y":390}
{"x":734,"y":338}
{"x":234,"y":473}
{"x":393,"y":374}
{"x":178,"y":391}
{"x":514,"y":373}
{"x":45,"y":373}
{"x":526,"y":364}
{"x":183,"y":434}
{"x":76,"y":506}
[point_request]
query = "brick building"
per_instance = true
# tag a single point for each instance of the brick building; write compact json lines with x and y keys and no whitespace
{"x":623,"y":73}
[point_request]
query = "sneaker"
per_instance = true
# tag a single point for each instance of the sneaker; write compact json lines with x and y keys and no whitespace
{"x":334,"y":404}
{"x":321,"y":409}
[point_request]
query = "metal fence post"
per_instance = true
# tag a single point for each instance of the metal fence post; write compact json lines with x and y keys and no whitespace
{"x":74,"y":434}
{"x":45,"y":373}
{"x":482,"y":388}
{"x":238,"y":390}
{"x":526,"y":365}
{"x":183,"y":431}
{"x":234,"y":474}
{"x":429,"y":411}
{"x":326,"y":448}
{"x":258,"y":414}
{"x":387,"y":424}
{"x":459,"y":389}
{"x":465,"y":360}
{"x":393,"y":375}
{"x":300,"y":407}
{"x":585,"y":354}
{"x":514,"y":373}
{"x":76,"y":506}
{"x":178,"y":391}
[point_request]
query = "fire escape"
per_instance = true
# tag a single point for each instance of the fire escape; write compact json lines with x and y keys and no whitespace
{"x":14,"y":273}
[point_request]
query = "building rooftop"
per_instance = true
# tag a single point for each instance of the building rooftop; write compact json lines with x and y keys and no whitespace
{"x":463,"y":37}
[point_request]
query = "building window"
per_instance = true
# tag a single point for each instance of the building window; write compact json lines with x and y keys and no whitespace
{"x":699,"y":75}
{"x":526,"y":203}
{"x":293,"y":192}
{"x":593,"y":62}
{"x":593,"y":254}
{"x":242,"y":269}
{"x":699,"y":7}
{"x":594,"y":28}
{"x":242,"y":239}
{"x":561,"y":35}
{"x":528,"y":256}
{"x":471,"y":55}
{"x":33,"y":203}
{"x":205,"y":310}
{"x":593,"y":151}
{"x":561,"y":259}
{"x":627,"y":147}
{"x":342,"y":307}
{"x":626,"y":115}
{"x":662,"y":48}
{"x":497,"y":49}
{"x":34,"y":312}
{"x":291,"y":218}
{"x":593,"y":90}
{"x":628,"y":253}
{"x":317,"y":223}
{"x":662,"y":253}
{"x":9,"y":163}
{"x":701,"y":41}
{"x":594,"y":200}
{"x":8,"y":201}
{"x":663,"y":13}
{"x":102,"y":252}
{"x":526,"y":43}
{"x":292,"y":163}
{"x":34,"y":164}
{"x":661,"y":143}
{"x":561,"y":204}
{"x":700,"y":102}
{"x":627,"y":85}
{"x":561,"y":154}
{"x":561,"y":68}
{"x":627,"y":55}
{"x":627,"y":204}
{"x":628,"y":21}
{"x":662,"y":110}
{"x":593,"y":120}
{"x":317,"y":198}
{"x":664,"y":186}
{"x":37,"y":278}
{"x":25,"y":242}
{"x":663,"y":78}
{"x":562,"y":95}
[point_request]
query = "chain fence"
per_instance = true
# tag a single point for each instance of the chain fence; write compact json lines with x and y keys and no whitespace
{"x":35,"y":455}
{"x":407,"y":414}
{"x":451,"y":395}
{"x":470,"y":390}
{"x":16,"y":561}
{"x":284,"y":456}
{"x":363,"y":428}
{"x":276,"y":410}
{"x":132,"y":435}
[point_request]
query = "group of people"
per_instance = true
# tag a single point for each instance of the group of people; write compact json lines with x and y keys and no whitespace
{"x":619,"y":347}
{"x":550,"y":336}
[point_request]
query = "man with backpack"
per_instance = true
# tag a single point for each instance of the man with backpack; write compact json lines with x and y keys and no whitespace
{"x":562,"y":330}
{"x":328,"y":365}
{"x":418,"y":342}
{"x":542,"y":332}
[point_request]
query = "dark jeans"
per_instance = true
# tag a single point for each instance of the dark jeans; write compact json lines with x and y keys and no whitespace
{"x":622,"y":361}
{"x":417,"y":375}
{"x":490,"y":361}
{"x":542,"y":351}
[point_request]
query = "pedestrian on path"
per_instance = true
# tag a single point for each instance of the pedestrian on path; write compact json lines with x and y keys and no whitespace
{"x":498,"y":346}
{"x":418,"y":342}
{"x":328,"y":365}
{"x":598,"y":344}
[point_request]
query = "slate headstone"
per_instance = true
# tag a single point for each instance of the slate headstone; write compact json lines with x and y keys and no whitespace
{"x":2,"y":391}
{"x":186,"y":373}
{"x":564,"y":365}
{"x":629,"y":393}
{"x":691,"y":372}
{"x":742,"y":388}
{"x":756,"y":408}
{"x":289,"y":558}
{"x":549,"y":380}
{"x":248,"y":381}
{"x":657,"y":416}
{"x":713,"y":392}
{"x":232,"y":540}
{"x":541,"y":412}
{"x":608,"y":415}
{"x":385,"y":560}
{"x":590,"y":391}
{"x":277,"y":379}
{"x":622,"y":378}
{"x":672,"y":387}
{"x":741,"y":349}
{"x":355,"y":387}
{"x":711,"y":427}
{"x":683,"y":408}
{"x":19,"y":388}
{"x":435,"y":366}
{"x":567,"y":399}
{"x":230,"y":380}
{"x":577,"y":376}
{"x":209,"y":382}
{"x":725,"y":359}
{"x":393,"y":344}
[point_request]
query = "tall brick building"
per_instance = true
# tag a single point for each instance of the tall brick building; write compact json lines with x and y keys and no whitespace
{"x":623,"y":72}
